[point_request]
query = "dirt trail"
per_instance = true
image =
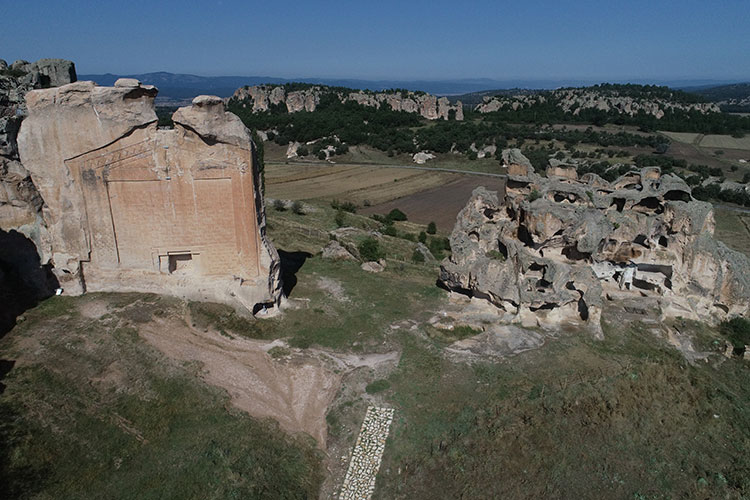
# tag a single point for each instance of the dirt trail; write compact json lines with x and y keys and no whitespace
{"x":295,"y":392}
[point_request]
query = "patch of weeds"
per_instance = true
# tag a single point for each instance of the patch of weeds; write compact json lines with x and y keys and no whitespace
{"x":495,"y":255}
{"x":278,"y":351}
{"x":448,"y":336}
{"x":377,"y":386}
{"x":223,"y":317}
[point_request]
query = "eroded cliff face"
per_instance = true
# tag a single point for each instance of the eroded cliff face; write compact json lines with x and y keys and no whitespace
{"x":131,"y":207}
{"x":20,"y":202}
{"x":261,"y":97}
{"x":550,"y":250}
{"x":574,"y":101}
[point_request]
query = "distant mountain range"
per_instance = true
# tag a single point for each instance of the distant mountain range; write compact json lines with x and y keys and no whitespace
{"x":180,"y":87}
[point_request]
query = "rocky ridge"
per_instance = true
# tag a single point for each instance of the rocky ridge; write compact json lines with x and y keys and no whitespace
{"x":550,"y":250}
{"x":574,"y":101}
{"x":262,"y":97}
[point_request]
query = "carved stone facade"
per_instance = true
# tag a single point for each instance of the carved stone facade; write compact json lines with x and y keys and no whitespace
{"x":135,"y":207}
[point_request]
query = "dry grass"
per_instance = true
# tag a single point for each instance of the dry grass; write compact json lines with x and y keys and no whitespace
{"x":725,"y":141}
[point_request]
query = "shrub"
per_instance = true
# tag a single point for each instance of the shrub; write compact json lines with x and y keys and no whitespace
{"x":390,"y":231}
{"x":340,"y":218}
{"x":495,"y":255}
{"x":534,"y":195}
{"x":417,"y":257}
{"x":322,"y":155}
{"x":348,"y":206}
{"x":302,"y":151}
{"x":297,"y":208}
{"x":422,"y":237}
{"x":397,"y":215}
{"x":431,"y":228}
{"x":370,"y":250}
{"x":738,"y":331}
{"x":377,"y":386}
{"x":279,"y":205}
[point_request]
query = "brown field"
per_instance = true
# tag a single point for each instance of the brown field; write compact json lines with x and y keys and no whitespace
{"x":348,"y":182}
{"x":439,"y":204}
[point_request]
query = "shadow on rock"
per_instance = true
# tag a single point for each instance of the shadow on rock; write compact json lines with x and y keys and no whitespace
{"x":23,"y":280}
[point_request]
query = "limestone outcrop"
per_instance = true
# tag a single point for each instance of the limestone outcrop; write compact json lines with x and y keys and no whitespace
{"x":261,"y":98}
{"x":551,"y":250}
{"x":20,"y":202}
{"x":574,"y":101}
{"x":129,"y":206}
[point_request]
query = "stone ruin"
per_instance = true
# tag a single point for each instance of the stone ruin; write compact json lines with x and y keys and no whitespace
{"x":550,"y":250}
{"x":130,"y":206}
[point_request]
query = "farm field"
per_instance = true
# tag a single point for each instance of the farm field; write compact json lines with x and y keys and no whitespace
{"x":733,"y":228}
{"x":439,"y":204}
{"x":348,"y":182}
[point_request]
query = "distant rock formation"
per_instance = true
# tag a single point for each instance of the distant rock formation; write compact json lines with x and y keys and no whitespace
{"x":550,"y":250}
{"x":261,"y":97}
{"x":131,"y":207}
{"x":574,"y":101}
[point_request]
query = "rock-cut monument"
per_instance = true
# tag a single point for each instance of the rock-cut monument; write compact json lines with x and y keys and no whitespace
{"x":131,"y":206}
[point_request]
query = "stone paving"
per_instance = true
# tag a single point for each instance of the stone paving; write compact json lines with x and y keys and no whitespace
{"x":359,"y":482}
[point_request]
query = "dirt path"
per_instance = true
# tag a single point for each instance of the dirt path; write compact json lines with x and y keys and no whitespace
{"x":294,"y":392}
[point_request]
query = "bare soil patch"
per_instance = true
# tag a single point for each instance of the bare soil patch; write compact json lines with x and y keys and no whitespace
{"x":440,"y":204}
{"x":295,"y":392}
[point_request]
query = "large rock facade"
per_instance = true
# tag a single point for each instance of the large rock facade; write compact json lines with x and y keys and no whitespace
{"x":261,"y":98}
{"x":131,"y":207}
{"x":550,"y":250}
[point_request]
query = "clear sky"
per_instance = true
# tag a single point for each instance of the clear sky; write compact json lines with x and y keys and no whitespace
{"x":602,"y":39}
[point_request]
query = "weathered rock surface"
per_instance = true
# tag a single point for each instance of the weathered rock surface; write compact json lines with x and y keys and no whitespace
{"x":335,"y":251}
{"x":422,"y":157}
{"x":132,"y":207}
{"x":261,"y":98}
{"x":574,"y":101}
{"x":553,"y":257}
{"x":20,"y":202}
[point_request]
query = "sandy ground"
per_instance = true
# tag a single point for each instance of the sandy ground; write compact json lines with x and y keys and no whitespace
{"x":294,"y":392}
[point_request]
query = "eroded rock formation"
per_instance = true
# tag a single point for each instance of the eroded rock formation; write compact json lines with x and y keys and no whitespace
{"x":262,"y":97}
{"x":550,"y":250}
{"x":20,"y":202}
{"x":574,"y":101}
{"x":129,"y":206}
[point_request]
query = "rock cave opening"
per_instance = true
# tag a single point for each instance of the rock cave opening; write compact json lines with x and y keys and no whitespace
{"x":24,"y":281}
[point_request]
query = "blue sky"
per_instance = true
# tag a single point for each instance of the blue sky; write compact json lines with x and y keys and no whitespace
{"x":607,"y":40}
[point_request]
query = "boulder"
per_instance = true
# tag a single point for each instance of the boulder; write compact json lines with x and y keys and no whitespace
{"x":374,"y":267}
{"x":335,"y":251}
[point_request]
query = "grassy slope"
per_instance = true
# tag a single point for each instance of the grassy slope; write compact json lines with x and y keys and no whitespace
{"x":90,"y":411}
{"x":623,"y":418}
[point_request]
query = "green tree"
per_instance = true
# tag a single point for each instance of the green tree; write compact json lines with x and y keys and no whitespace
{"x":431,"y":228}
